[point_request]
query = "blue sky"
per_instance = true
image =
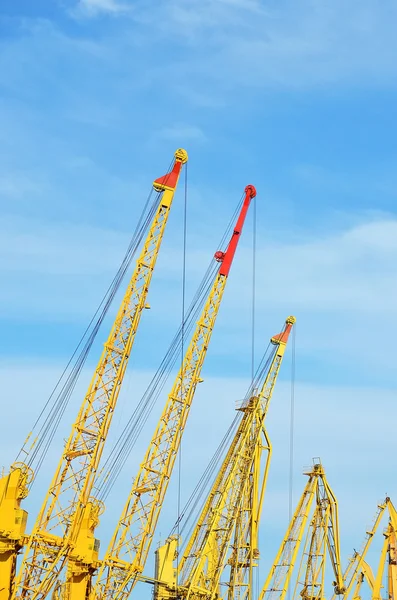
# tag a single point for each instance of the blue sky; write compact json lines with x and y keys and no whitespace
{"x":297,"y":98}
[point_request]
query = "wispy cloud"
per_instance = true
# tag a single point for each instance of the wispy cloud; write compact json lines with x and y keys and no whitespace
{"x":348,"y":270}
{"x":293,"y":44}
{"x":333,"y":284}
{"x":93,"y":8}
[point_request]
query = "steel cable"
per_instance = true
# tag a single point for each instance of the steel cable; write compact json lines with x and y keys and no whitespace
{"x":196,"y":501}
{"x":128,"y":437}
{"x":50,"y":416}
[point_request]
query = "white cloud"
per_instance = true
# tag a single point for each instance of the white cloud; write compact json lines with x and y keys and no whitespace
{"x":202,"y":52}
{"x":340,"y":287}
{"x":93,"y":8}
{"x":290,"y":44}
{"x":348,"y":270}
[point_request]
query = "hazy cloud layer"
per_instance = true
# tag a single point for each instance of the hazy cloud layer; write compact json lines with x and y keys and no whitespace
{"x":337,"y":424}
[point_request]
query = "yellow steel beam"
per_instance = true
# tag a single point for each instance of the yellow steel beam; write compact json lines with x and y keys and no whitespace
{"x":57,"y":531}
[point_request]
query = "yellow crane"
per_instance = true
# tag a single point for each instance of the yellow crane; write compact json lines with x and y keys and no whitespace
{"x":388,"y":544}
{"x":358,"y":569}
{"x":375,"y":584}
{"x":204,"y":558}
{"x":14,"y":487}
{"x":392,"y":566}
{"x":388,"y":556}
{"x":391,"y":553}
{"x":322,"y":536}
{"x":367,"y":575}
{"x":128,"y":549}
{"x":67,"y":504}
{"x":245,"y":546}
{"x":323,"y":533}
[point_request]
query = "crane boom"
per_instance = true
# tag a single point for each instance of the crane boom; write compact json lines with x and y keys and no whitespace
{"x":367,"y":575}
{"x":57,"y":526}
{"x":245,"y":552}
{"x":204,"y":558}
{"x":129,"y":546}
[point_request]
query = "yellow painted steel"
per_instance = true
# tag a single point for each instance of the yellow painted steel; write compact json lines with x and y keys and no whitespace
{"x":310,"y":581}
{"x":377,"y":589}
{"x":355,"y":566}
{"x":279,"y":577}
{"x":388,"y":555}
{"x":393,"y":514}
{"x":165,"y":572}
{"x":83,"y":558}
{"x":392,"y":567}
{"x":327,"y":497}
{"x":129,"y":547}
{"x":245,"y":547}
{"x":57,"y":533}
{"x":204,"y":558}
{"x":365,"y":574}
{"x":323,"y":535}
{"x":368,"y":574}
{"x":13,"y":489}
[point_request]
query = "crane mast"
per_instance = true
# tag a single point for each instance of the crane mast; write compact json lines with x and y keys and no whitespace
{"x":204,"y":557}
{"x":129,"y":546}
{"x":322,"y":535}
{"x":245,"y":551}
{"x":55,"y":534}
{"x":279,"y":577}
{"x":313,"y":569}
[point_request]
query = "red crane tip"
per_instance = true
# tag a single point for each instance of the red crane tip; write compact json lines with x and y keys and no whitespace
{"x":250,"y":189}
